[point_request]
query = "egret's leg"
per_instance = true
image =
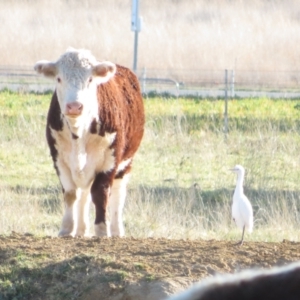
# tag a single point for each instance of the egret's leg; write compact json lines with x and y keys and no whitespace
{"x":240,"y":243}
{"x":242,"y":240}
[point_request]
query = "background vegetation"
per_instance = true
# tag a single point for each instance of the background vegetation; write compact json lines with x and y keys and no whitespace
{"x":181,"y":186}
{"x":177,"y":34}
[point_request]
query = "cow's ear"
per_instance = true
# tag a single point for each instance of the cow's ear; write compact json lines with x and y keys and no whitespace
{"x":45,"y":67}
{"x":104,"y":71}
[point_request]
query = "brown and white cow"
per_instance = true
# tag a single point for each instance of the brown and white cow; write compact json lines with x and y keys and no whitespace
{"x":94,"y":127}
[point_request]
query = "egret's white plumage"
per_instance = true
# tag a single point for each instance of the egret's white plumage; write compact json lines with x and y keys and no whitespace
{"x":242,"y":212}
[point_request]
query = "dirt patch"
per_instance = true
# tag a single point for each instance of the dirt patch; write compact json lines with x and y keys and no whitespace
{"x":123,"y":268}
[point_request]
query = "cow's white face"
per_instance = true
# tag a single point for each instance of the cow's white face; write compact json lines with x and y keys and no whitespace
{"x":77,"y":74}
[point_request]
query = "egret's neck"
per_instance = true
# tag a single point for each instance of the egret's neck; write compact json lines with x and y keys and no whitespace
{"x":239,"y":184}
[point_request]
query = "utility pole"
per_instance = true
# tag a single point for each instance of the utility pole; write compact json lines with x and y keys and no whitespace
{"x":136,"y":24}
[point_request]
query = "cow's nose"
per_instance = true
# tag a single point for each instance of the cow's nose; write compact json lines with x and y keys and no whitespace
{"x":74,"y":108}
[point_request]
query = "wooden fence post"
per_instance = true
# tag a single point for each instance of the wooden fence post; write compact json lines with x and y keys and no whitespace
{"x":226,"y":105}
{"x":144,"y":81}
{"x":232,"y":84}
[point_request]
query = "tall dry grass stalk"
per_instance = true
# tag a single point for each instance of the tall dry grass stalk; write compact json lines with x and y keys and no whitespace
{"x":194,"y":34}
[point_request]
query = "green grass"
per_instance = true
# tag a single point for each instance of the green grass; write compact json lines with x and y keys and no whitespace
{"x":185,"y":141}
{"x":180,"y":185}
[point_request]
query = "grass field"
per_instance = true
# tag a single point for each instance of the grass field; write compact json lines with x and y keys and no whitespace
{"x":180,"y":185}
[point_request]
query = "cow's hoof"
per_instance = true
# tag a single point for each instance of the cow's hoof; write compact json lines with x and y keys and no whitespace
{"x":102,"y":230}
{"x":65,"y":234}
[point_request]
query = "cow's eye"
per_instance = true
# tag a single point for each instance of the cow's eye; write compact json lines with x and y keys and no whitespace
{"x":58,"y":80}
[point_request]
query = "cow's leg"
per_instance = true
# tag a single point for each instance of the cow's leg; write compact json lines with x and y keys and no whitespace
{"x":83,"y":205}
{"x":70,"y":195}
{"x":100,"y":192}
{"x":116,"y":205}
{"x":69,"y":220}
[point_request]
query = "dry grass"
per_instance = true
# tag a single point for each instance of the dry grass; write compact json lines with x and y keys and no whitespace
{"x":195,"y":34}
{"x":183,"y":145}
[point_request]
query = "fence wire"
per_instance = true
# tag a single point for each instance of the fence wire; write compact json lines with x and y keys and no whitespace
{"x":197,"y":82}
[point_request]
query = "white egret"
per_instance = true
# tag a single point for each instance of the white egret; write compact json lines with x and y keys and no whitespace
{"x":242,"y":212}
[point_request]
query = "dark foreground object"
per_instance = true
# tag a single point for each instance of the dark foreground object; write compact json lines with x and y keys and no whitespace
{"x":277,"y":283}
